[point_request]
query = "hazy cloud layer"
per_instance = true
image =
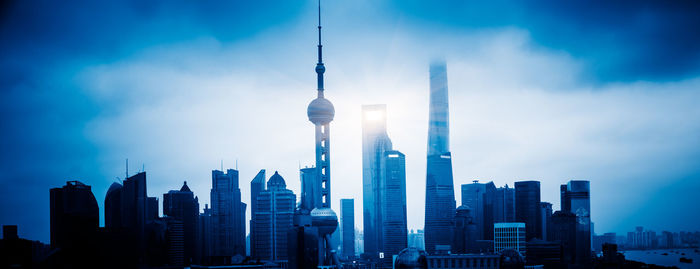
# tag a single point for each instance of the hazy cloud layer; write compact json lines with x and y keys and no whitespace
{"x":178,"y":87}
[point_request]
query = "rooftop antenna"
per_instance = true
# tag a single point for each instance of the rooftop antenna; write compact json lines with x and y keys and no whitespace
{"x":320,"y":69}
{"x":127,"y":168}
{"x":236,"y":164}
{"x":222,"y":165}
{"x":143,"y":167}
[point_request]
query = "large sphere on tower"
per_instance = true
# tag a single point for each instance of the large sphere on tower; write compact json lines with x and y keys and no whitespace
{"x":320,"y":111}
{"x":325,"y":220}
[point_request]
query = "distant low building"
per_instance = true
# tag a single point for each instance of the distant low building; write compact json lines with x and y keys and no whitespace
{"x":509,"y":235}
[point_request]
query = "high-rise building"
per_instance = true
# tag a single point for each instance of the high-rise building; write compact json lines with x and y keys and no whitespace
{"x":205,"y":232}
{"x":113,"y":205}
{"x":564,"y":231}
{"x":310,"y":188}
{"x":74,"y":215}
{"x":273,"y":220}
{"x":134,"y":209}
{"x":416,"y":239}
{"x":375,"y":142}
{"x":228,"y":215}
{"x":182,"y":206}
{"x":527,"y":207}
{"x":151,"y":209}
{"x":465,"y":232}
{"x":256,"y":186}
{"x":509,"y":235}
{"x":439,"y":191}
{"x":546,"y":220}
{"x":480,"y":198}
{"x":576,"y":198}
{"x":504,"y":205}
{"x":384,"y":187}
{"x":347,"y":227}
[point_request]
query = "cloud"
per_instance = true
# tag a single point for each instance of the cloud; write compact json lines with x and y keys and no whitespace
{"x":179,"y":102}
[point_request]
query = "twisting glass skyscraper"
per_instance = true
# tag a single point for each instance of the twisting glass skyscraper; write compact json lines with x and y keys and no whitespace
{"x":439,"y":189}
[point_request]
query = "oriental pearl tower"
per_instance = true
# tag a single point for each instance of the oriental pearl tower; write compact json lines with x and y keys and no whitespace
{"x":321,"y":112}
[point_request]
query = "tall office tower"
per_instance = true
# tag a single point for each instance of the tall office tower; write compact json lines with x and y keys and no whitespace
{"x":480,"y":198}
{"x":439,"y":191}
{"x":576,"y":199}
{"x":509,"y":235}
{"x":546,"y":220}
{"x":74,"y":215}
{"x":151,"y":209}
{"x":504,"y":205}
{"x":183,"y":206}
{"x":564,"y":231}
{"x":375,"y":142}
{"x":273,"y":220}
{"x":465,"y":231}
{"x":204,"y":235}
{"x":113,"y":205}
{"x":310,"y":188}
{"x":228,"y":214}
{"x":416,"y":239}
{"x":256,"y":186}
{"x":527,"y":207}
{"x":176,"y":242}
{"x":393,"y":201}
{"x":134,"y":213}
{"x":347,"y":227}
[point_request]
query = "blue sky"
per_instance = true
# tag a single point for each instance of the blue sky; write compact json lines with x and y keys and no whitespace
{"x":546,"y":90}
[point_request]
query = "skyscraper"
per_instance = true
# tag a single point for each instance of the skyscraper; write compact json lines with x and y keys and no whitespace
{"x":134,"y":214}
{"x":113,"y":203}
{"x":576,"y":199}
{"x":74,"y":215}
{"x":347,"y":227}
{"x":183,"y":207}
{"x":439,"y":191}
{"x":384,"y":187}
{"x":504,"y":205}
{"x":393,"y":203}
{"x":256,"y":186}
{"x":205,"y":235}
{"x":509,"y":235}
{"x":546,"y":220}
{"x":273,"y":220}
{"x":228,"y":215}
{"x":375,"y":142}
{"x":310,"y":188}
{"x":479,"y":197}
{"x":465,"y":231}
{"x":527,"y":207}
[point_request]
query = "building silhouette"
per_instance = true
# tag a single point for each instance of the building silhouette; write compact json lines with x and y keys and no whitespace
{"x":183,"y":207}
{"x":228,"y":215}
{"x":113,"y":203}
{"x":465,"y":232}
{"x":546,"y":220}
{"x":375,"y":142}
{"x":256,"y":186}
{"x":74,"y":216}
{"x":273,"y":220}
{"x":439,"y":192}
{"x":576,"y":199}
{"x":527,"y":207}
{"x":204,"y":236}
{"x":347,"y":227}
{"x":504,"y":205}
{"x":564,"y":231}
{"x":480,"y":198}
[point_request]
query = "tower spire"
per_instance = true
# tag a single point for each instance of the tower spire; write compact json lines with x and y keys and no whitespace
{"x":320,"y":68}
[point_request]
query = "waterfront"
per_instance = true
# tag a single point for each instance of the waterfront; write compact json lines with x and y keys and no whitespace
{"x":672,"y":259}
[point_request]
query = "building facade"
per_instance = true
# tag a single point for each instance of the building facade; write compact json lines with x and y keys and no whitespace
{"x":527,"y":207}
{"x":439,"y":192}
{"x":480,"y":198}
{"x":465,"y":232}
{"x":256,"y":186}
{"x":347,"y":227}
{"x":228,"y":215}
{"x":576,"y":199}
{"x":509,"y":235}
{"x":504,"y":205}
{"x":273,"y":220}
{"x":183,"y":207}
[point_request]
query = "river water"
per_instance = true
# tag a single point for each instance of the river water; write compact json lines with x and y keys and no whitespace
{"x":672,"y":259}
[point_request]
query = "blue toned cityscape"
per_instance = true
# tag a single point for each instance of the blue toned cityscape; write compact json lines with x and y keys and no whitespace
{"x":176,"y":134}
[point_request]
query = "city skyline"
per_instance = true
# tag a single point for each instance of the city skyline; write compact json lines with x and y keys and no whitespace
{"x":520,"y":110}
